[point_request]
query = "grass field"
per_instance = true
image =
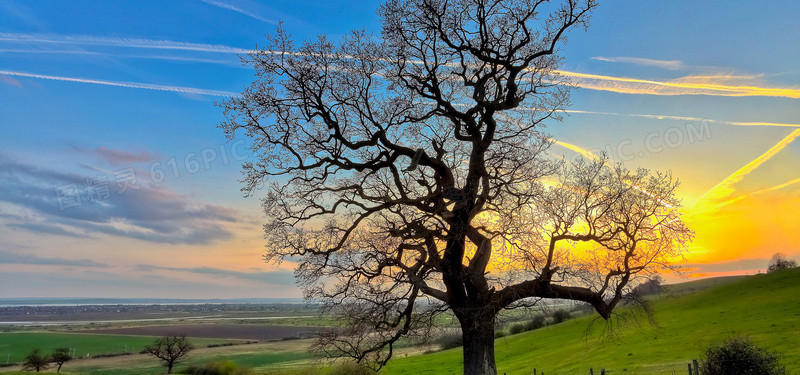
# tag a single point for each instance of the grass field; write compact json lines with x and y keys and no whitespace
{"x":15,"y":345}
{"x":764,"y":307}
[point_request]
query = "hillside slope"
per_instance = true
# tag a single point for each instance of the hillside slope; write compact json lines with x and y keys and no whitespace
{"x":764,"y":307}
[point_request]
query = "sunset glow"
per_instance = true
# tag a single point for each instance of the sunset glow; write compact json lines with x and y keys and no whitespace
{"x":115,"y":180}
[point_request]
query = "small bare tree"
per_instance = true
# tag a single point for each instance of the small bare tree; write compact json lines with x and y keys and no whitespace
{"x":409,"y":175}
{"x":170,"y":349}
{"x":61,"y":356}
{"x":779,"y":261}
{"x":35,"y":360}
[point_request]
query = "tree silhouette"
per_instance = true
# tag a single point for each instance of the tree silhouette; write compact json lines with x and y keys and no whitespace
{"x":60,"y":356}
{"x":35,"y":360}
{"x":409,"y":175}
{"x":170,"y":349}
{"x":780,"y":262}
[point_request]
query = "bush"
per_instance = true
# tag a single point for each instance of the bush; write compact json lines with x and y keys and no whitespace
{"x":350,"y":368}
{"x":517,"y":328}
{"x":560,"y":316}
{"x":779,"y":262}
{"x":738,"y":355}
{"x":219,"y":368}
{"x":450,"y":340}
{"x":537,"y":322}
{"x":499,"y":333}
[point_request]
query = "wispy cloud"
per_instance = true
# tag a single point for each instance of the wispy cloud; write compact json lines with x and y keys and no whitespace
{"x":145,"y":86}
{"x":118,"y":157}
{"x":710,"y":200}
{"x":16,"y":258}
{"x":663,"y":64}
{"x":735,"y":265}
{"x":228,"y":6}
{"x":281,"y":277}
{"x":44,"y":228}
{"x":144,"y":211}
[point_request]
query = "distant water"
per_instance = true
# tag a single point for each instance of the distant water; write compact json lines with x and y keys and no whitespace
{"x":138,"y":301}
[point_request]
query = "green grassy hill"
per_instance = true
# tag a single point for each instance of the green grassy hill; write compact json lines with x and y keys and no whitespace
{"x":700,"y":285}
{"x":764,"y":307}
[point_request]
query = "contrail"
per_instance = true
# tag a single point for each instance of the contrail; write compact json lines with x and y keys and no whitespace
{"x":642,"y":86}
{"x":742,"y":197}
{"x":586,"y":81}
{"x":725,"y":187}
{"x":120,"y":42}
{"x":146,"y":86}
{"x":223,"y":5}
{"x":686,"y":118}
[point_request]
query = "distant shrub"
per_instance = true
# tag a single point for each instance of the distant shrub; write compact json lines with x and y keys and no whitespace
{"x":450,"y":340}
{"x":500,"y":333}
{"x":350,"y":368}
{"x":652,"y":286}
{"x":219,"y":368}
{"x":537,"y":322}
{"x":779,"y":262}
{"x":560,"y":316}
{"x":517,"y":328}
{"x":738,"y":355}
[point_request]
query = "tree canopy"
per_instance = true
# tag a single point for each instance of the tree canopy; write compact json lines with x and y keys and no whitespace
{"x":409,"y":174}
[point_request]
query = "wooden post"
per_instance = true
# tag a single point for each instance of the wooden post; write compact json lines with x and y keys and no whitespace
{"x":690,"y":368}
{"x":602,"y":371}
{"x":696,"y":367}
{"x":591,"y":372}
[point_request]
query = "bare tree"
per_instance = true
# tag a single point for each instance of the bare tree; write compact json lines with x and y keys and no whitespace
{"x":61,"y":356}
{"x":779,"y":261}
{"x":35,"y":360}
{"x":408,"y":175}
{"x":170,"y":349}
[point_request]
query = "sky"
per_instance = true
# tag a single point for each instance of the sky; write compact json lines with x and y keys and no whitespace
{"x":116,"y":182}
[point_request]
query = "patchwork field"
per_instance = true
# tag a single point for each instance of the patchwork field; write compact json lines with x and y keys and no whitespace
{"x":216,"y":331}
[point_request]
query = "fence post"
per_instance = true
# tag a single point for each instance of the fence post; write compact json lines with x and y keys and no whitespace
{"x":602,"y":371}
{"x":696,"y":367}
{"x":690,"y":368}
{"x":591,"y":372}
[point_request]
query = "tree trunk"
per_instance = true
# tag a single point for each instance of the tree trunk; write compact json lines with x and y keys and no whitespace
{"x":478,"y":336}
{"x":169,"y":367}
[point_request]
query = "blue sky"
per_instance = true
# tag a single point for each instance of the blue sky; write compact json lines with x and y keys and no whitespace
{"x":116,"y":100}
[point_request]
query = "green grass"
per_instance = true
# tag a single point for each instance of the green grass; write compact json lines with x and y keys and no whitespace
{"x":14,"y":346}
{"x":765,"y":307}
{"x":700,"y":285}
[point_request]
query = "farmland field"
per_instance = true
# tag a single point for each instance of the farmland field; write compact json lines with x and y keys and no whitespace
{"x":218,"y":331}
{"x":763,"y":307}
{"x":15,"y":345}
